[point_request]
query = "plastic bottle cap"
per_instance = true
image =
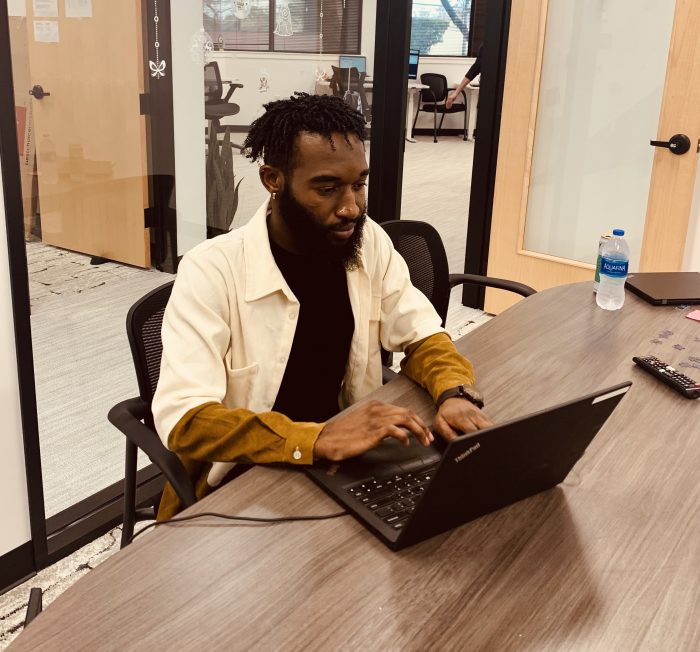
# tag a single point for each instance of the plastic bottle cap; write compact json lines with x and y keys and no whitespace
{"x":618,"y":232}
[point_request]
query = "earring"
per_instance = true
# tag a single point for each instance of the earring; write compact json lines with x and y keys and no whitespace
{"x":274,"y":195}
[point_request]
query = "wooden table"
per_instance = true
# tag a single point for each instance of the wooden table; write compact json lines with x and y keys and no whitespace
{"x":610,"y":560}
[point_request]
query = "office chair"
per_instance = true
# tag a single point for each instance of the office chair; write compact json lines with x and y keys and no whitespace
{"x":133,"y":416}
{"x":216,"y":105}
{"x":350,"y":80}
{"x":421,"y":247}
{"x":435,"y":96}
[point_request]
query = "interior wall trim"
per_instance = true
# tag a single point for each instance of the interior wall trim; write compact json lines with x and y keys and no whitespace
{"x":16,"y":567}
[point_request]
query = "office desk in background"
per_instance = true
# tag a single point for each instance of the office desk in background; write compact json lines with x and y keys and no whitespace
{"x":324,"y":88}
{"x":609,"y":560}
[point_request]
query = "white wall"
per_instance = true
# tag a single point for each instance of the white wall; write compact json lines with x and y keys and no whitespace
{"x":14,"y":506}
{"x":188,"y":116}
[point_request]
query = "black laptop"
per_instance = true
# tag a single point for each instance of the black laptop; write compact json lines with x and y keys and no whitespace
{"x":406,"y":495}
{"x":666,"y":288}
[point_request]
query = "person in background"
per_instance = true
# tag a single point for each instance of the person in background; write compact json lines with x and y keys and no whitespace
{"x":472,"y":74}
{"x":273,"y":328}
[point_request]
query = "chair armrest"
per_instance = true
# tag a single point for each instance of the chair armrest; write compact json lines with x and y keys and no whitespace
{"x":232,"y":86}
{"x":488,"y":281}
{"x":126,"y":417}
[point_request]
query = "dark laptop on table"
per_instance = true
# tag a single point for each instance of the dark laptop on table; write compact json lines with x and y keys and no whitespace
{"x":405,"y":495}
{"x":666,"y":288}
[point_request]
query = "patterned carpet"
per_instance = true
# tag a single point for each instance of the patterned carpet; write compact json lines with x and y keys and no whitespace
{"x":82,"y":366}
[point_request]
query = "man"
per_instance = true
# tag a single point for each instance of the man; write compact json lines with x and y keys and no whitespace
{"x":273,"y":327}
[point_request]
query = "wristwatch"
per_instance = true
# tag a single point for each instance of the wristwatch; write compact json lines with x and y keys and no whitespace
{"x":462,"y":391}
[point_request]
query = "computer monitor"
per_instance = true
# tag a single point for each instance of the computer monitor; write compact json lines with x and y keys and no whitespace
{"x":347,"y":61}
{"x":413,"y":57}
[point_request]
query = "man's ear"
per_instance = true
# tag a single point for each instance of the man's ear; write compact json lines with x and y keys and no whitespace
{"x":272,"y":178}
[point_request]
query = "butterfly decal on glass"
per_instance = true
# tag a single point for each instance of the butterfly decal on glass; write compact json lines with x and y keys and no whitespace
{"x":157,"y":70}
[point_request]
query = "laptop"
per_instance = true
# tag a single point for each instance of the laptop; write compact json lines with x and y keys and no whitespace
{"x":413,"y":59}
{"x":405,"y":495}
{"x":666,"y":288}
{"x":347,"y":61}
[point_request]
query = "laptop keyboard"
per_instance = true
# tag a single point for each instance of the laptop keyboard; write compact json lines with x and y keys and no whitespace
{"x":394,"y":498}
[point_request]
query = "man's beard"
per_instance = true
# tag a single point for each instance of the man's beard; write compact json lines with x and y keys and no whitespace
{"x":315,"y":238}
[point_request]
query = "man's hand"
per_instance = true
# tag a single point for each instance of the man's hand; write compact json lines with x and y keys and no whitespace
{"x":364,"y":425}
{"x":450,"y":99}
{"x":457,"y":416}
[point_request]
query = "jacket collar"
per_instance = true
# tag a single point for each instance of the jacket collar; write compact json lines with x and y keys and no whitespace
{"x":262,"y":276}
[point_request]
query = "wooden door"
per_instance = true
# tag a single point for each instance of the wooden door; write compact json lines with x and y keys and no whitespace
{"x":90,"y":136}
{"x":665,"y":194}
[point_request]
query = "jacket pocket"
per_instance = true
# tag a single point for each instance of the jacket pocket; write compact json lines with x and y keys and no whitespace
{"x":240,"y":384}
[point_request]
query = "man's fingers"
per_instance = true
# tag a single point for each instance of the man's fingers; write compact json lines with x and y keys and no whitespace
{"x":397,"y":433}
{"x":444,"y":429}
{"x":482,"y":420}
{"x":415,"y":425}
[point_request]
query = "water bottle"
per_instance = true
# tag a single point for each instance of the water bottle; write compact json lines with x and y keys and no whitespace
{"x":615,"y":256}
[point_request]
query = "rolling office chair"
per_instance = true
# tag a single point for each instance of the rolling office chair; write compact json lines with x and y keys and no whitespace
{"x":133,"y":416}
{"x":346,"y":81}
{"x":432,"y":100}
{"x":421,"y":247}
{"x":216,"y":105}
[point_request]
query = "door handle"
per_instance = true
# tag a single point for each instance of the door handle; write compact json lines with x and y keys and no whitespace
{"x":38,"y":92}
{"x":678,"y":144}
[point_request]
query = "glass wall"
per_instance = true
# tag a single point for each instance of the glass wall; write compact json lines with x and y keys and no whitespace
{"x":83,"y":158}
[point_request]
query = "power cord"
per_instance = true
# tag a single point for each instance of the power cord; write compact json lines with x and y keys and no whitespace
{"x":230,"y":517}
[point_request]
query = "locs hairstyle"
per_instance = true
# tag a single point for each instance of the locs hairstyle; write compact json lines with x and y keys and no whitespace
{"x":273,"y":135}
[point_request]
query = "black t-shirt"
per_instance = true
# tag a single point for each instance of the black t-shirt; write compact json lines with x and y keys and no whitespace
{"x":316,"y":365}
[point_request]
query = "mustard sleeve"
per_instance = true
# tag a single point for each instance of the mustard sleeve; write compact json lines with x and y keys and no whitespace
{"x":435,"y":364}
{"x":213,"y":433}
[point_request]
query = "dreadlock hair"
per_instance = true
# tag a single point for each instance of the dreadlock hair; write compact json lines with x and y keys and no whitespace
{"x":272,"y":136}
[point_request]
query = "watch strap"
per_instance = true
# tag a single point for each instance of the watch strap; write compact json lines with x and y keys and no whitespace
{"x":461,"y":391}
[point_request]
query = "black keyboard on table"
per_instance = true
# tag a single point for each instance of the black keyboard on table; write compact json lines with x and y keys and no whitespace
{"x":394,"y":498}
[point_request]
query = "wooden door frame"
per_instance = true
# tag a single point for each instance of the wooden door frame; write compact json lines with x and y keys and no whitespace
{"x":526,"y":43}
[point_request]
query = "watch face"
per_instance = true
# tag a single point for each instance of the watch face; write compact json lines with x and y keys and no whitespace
{"x":472,"y":395}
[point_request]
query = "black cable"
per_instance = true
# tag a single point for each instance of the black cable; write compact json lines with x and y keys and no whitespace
{"x":231,"y":517}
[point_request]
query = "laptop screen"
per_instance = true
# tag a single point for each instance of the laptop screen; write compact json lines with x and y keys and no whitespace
{"x":347,"y":61}
{"x":413,"y":57}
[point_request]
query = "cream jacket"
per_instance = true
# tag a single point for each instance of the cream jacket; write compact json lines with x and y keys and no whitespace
{"x":229,"y":325}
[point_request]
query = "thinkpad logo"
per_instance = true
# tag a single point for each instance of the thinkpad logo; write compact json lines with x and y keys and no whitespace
{"x":467,"y":452}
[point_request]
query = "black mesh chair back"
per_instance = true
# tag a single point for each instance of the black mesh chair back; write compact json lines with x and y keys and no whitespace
{"x":432,"y":100}
{"x":350,"y":80}
{"x":216,"y":104}
{"x":143,"y":324}
{"x":437,"y":91}
{"x":134,"y":418}
{"x":421,"y":247}
{"x":213,"y":88}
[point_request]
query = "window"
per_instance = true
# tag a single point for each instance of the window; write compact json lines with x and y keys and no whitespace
{"x":285,"y":25}
{"x":447,"y":27}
